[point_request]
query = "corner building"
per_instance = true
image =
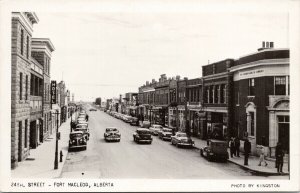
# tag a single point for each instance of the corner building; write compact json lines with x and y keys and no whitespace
{"x":22,"y":28}
{"x":261,"y":98}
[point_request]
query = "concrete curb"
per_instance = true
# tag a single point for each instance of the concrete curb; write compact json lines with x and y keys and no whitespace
{"x":253,"y":170}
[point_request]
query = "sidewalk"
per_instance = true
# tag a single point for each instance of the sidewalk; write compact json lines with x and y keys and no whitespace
{"x":252,"y":161}
{"x":40,"y":163}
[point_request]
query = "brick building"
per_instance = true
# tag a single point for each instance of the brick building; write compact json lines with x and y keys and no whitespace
{"x":21,"y":34}
{"x":217,"y":99}
{"x":261,"y":98}
{"x":146,"y":100}
{"x":41,"y":52}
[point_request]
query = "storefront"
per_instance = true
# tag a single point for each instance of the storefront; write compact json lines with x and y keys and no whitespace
{"x":216,"y":125}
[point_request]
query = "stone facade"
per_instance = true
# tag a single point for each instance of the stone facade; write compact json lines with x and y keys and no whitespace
{"x":22,"y":24}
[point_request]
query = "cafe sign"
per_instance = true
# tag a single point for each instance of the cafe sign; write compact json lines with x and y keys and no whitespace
{"x":53,"y":92}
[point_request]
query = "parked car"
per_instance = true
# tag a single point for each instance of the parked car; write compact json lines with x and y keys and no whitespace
{"x":142,"y":135}
{"x":77,"y":140}
{"x":165,"y":134}
{"x":216,"y":150}
{"x":112,"y":134}
{"x":84,"y":128}
{"x":134,"y":121}
{"x":181,"y":139}
{"x":155,"y":129}
{"x":145,"y":124}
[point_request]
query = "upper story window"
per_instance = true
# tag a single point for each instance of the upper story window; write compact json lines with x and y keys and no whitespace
{"x":22,"y":41}
{"x":251,"y":87}
{"x":27,"y":47}
{"x":21,"y":85}
{"x":281,"y":87}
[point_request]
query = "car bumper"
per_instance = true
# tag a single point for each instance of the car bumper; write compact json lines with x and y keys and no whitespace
{"x":186,"y":144}
{"x":76,"y":146}
{"x":166,"y":138}
{"x":113,"y":138}
{"x":144,"y":140}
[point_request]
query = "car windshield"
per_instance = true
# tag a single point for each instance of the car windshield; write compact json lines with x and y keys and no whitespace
{"x":111,"y":129}
{"x":73,"y":135}
{"x":181,"y":135}
{"x":143,"y":132}
{"x":167,"y":130}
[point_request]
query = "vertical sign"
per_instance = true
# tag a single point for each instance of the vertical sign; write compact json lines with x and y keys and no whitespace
{"x":53,"y":92}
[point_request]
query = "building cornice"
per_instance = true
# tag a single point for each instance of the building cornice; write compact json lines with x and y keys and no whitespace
{"x":265,"y":62}
{"x":43,"y":41}
{"x":215,"y":76}
{"x":26,"y":19}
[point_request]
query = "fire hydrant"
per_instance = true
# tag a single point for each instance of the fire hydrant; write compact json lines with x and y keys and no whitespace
{"x":61,"y":156}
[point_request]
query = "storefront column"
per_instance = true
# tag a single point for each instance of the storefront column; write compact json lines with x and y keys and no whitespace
{"x":272,"y":129}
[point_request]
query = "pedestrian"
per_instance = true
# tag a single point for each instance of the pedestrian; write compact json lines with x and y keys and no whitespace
{"x":87,"y":117}
{"x":262,"y":156}
{"x":231,"y":147}
{"x":279,"y":157}
{"x":247,"y":150}
{"x":237,"y":145}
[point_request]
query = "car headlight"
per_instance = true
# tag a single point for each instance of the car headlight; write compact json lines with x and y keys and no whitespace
{"x":73,"y":141}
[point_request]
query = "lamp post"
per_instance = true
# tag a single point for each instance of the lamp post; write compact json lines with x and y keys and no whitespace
{"x":56,"y":144}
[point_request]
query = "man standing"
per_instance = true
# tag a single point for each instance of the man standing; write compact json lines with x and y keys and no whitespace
{"x":279,"y":157}
{"x":231,"y":147}
{"x":247,"y":149}
{"x":237,"y":146}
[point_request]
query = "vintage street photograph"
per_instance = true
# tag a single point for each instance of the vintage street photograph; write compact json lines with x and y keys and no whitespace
{"x":158,"y":94}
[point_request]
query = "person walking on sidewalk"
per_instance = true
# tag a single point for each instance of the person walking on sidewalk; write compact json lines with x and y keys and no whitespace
{"x":247,"y":150}
{"x":279,"y":157}
{"x":231,"y":147}
{"x":237,"y":145}
{"x":262,"y":156}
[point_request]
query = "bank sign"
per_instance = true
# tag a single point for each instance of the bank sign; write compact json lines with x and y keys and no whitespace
{"x":251,"y":74}
{"x":53,"y":92}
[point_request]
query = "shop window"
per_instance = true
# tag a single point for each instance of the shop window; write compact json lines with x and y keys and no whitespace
{"x":280,"y":85}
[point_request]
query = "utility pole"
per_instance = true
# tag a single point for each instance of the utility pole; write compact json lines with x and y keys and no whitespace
{"x":56,"y":145}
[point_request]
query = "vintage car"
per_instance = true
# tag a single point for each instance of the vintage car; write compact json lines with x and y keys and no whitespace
{"x":134,"y":121}
{"x":216,"y":150}
{"x":165,"y":134}
{"x":142,"y":135}
{"x":145,"y":124}
{"x":181,"y":139}
{"x":155,"y":129}
{"x":112,"y":134}
{"x":84,"y":128}
{"x":77,"y":140}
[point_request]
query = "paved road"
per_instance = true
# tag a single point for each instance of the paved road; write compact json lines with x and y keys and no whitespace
{"x":126,"y":159}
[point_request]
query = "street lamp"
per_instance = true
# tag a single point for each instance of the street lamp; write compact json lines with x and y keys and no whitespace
{"x":56,"y":145}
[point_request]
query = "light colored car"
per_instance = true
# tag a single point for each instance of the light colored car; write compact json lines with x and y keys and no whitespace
{"x":145,"y":124}
{"x":181,"y":139}
{"x":155,"y":129}
{"x":165,"y":134}
{"x":112,"y":134}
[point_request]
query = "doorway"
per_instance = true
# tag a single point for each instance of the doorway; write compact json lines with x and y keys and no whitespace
{"x":283,"y":135}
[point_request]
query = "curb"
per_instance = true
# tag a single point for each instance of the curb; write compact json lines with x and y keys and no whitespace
{"x":253,"y":170}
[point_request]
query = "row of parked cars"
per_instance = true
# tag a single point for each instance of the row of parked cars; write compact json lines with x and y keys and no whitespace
{"x":80,"y":132}
{"x":214,"y":150}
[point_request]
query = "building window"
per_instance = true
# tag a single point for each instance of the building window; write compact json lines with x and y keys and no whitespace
{"x":27,"y":47}
{"x":26,"y":133}
{"x":280,"y":85}
{"x":283,"y":119}
{"x":251,"y":123}
{"x":251,"y":87}
{"x":225,"y":93}
{"x":31,"y":84}
{"x":207,"y":95}
{"x":22,"y":41}
{"x":21,"y":82}
{"x":26,"y":88}
{"x":219,"y":94}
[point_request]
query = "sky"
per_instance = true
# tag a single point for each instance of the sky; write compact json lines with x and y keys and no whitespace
{"x":103,"y":54}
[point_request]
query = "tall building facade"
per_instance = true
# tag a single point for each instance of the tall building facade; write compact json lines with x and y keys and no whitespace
{"x":41,"y":52}
{"x":21,"y":34}
{"x":261,"y":98}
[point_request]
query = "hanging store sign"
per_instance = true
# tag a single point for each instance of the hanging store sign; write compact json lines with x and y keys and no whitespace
{"x":53,"y":92}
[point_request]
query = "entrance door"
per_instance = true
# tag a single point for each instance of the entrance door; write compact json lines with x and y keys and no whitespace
{"x":284,"y":133}
{"x":32,"y":142}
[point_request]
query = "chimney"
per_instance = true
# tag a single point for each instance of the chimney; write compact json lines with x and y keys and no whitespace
{"x":177,"y":77}
{"x":271,"y":44}
{"x":267,"y":45}
{"x":263,"y":44}
{"x":147,"y":83}
{"x":185,"y":78}
{"x":153,"y":81}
